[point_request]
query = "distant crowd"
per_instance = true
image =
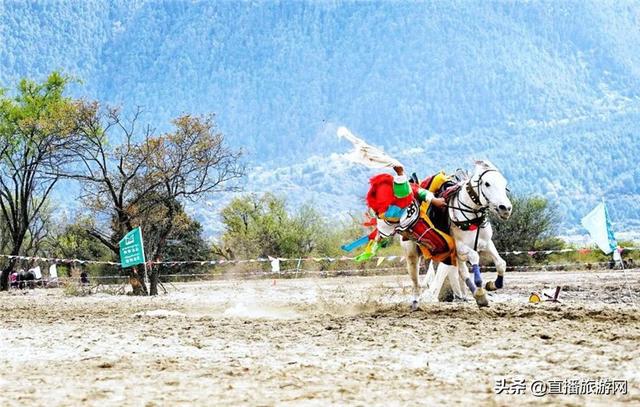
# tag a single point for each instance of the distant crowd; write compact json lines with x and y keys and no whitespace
{"x":33,"y":278}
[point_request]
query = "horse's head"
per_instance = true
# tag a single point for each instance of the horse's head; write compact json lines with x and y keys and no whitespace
{"x":491,"y":187}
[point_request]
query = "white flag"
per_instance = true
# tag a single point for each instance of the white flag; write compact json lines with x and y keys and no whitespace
{"x":366,"y":154}
{"x":598,"y":225}
{"x":37,"y":272}
{"x":275,"y":264}
{"x":53,"y":271}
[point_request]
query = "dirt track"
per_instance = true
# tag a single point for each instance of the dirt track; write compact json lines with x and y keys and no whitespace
{"x":318,"y":342}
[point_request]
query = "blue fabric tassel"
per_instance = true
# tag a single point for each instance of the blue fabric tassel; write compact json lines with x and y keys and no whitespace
{"x":355,"y":244}
{"x":477,"y":278}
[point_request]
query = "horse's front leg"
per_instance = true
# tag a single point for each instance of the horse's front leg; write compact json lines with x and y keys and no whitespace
{"x":501,"y":267}
{"x":413,"y":262}
{"x":463,"y":271}
{"x":465,"y":253}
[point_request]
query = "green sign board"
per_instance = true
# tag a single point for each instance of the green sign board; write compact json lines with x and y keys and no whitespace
{"x":131,"y":249}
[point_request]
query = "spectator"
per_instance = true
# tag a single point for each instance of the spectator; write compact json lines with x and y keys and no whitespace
{"x":84,"y":278}
{"x":13,"y":278}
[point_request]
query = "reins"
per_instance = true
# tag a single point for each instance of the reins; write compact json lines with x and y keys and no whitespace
{"x":481,"y":212}
{"x":475,"y":197}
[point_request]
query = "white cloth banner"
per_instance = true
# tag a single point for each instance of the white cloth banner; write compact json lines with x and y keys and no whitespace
{"x":365,"y":154}
{"x":37,"y":272}
{"x":597,"y":225}
{"x":53,"y":271}
{"x":275,"y":265}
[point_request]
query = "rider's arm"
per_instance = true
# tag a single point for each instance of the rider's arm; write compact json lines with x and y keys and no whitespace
{"x":401,"y":189}
{"x":425,"y":195}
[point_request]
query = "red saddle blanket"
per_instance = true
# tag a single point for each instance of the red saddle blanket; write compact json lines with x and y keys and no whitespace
{"x":426,"y":235}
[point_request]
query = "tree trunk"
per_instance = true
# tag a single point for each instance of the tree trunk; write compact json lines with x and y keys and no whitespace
{"x":153,"y":281}
{"x":154,"y":272}
{"x":4,"y":279}
{"x":4,"y":276}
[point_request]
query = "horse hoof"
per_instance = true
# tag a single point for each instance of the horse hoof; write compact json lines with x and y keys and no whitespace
{"x":499,"y":281}
{"x":481,"y":298}
{"x":490,"y":286}
{"x":414,"y":305}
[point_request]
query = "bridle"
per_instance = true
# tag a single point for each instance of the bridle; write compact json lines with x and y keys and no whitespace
{"x":478,"y":214}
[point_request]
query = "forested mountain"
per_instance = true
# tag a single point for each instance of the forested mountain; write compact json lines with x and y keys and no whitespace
{"x":549,"y":91}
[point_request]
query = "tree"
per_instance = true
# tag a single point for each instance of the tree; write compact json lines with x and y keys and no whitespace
{"x":183,"y":242}
{"x":130,"y":176}
{"x":73,"y":242}
{"x":262,"y":226}
{"x":191,"y":162}
{"x":37,"y":130}
{"x":254,"y":226}
{"x":531,"y":227}
{"x":110,"y":170}
{"x":38,"y":232}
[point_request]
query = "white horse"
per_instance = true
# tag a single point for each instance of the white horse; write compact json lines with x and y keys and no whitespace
{"x":485,"y":191}
{"x":467,"y":211}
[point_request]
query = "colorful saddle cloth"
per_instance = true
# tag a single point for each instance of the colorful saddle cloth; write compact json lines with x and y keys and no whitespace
{"x":434,"y":243}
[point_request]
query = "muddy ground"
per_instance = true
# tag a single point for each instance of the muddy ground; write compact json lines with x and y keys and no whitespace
{"x":333,"y":341}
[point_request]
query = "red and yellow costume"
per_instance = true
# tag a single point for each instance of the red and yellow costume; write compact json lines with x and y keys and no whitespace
{"x":401,"y":207}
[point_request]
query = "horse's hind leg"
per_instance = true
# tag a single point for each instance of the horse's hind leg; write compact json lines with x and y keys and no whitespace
{"x":454,"y":282}
{"x":413,"y":262}
{"x":501,"y":267}
{"x":437,"y":290}
{"x":450,"y":289}
{"x":431,"y":273}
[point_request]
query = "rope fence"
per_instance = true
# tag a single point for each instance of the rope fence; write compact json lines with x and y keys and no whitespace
{"x":57,"y":260}
{"x":271,"y":268}
{"x":294,"y":273}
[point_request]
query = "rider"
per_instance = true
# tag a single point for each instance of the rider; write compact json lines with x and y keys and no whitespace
{"x":405,"y":208}
{"x":397,"y":207}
